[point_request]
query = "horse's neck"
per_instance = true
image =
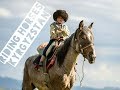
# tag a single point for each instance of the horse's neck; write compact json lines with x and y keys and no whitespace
{"x":70,"y":60}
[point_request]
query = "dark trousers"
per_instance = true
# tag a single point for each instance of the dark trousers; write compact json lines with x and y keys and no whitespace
{"x":46,"y":48}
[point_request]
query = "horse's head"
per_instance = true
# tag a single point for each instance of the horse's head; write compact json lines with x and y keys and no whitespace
{"x":84,"y":42}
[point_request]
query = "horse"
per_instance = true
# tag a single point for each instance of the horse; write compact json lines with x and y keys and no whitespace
{"x":62,"y":75}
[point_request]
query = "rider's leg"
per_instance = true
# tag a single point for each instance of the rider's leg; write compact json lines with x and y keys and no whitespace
{"x":44,"y":54}
{"x":50,"y":48}
{"x":45,"y":51}
{"x":41,"y":60}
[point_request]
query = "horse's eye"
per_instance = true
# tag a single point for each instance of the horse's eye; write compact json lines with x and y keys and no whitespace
{"x":84,"y":37}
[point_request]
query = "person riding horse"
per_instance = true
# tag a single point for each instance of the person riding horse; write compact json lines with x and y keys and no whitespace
{"x":58,"y":33}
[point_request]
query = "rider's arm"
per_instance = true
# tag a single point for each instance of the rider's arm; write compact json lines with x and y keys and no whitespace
{"x":53,"y":34}
{"x":65,"y":32}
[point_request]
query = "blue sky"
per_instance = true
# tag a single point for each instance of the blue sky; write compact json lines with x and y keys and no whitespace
{"x":106,"y":17}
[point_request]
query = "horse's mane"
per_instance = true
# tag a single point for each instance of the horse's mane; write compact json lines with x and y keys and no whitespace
{"x":63,"y":50}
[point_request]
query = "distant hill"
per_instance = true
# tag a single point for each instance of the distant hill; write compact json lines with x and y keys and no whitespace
{"x":13,"y":84}
{"x":9,"y":84}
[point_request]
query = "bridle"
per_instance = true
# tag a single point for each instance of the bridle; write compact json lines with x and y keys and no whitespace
{"x":81,"y":48}
{"x":85,"y":47}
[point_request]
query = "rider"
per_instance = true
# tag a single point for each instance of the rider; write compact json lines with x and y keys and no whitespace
{"x":58,"y":31}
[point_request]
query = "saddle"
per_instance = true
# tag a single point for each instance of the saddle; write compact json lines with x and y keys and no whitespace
{"x":50,"y":60}
{"x":51,"y":57}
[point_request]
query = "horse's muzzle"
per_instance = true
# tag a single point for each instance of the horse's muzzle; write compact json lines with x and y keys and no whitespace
{"x":92,"y":58}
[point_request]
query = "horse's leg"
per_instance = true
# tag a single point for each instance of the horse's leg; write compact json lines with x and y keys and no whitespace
{"x":26,"y":85}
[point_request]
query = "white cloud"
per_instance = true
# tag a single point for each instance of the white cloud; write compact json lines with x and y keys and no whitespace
{"x":95,"y":5}
{"x":105,"y":51}
{"x":77,"y":18}
{"x":100,"y":73}
{"x":5,"y":12}
{"x":116,"y":16}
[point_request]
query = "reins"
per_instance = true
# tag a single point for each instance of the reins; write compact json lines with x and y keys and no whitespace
{"x":81,"y":50}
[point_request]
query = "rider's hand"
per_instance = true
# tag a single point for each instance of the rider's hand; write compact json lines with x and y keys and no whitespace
{"x":59,"y":30}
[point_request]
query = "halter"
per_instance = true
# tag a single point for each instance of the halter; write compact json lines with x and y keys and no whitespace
{"x":82,"y":48}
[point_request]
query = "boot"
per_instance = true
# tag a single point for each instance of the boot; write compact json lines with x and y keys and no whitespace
{"x":41,"y":60}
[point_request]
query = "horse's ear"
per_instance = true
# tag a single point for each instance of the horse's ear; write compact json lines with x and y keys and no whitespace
{"x":90,"y":26}
{"x":81,"y":24}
